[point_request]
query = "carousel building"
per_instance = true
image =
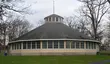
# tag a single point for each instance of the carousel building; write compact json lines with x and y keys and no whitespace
{"x":54,"y":38}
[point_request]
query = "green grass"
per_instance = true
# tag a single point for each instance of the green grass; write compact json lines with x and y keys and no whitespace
{"x":1,"y":54}
{"x":51,"y":59}
{"x":108,"y":63}
{"x":104,"y":52}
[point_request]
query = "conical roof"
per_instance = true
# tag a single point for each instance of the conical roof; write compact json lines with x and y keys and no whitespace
{"x":53,"y":31}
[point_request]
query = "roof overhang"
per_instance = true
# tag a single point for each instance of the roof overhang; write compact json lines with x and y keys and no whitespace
{"x":55,"y":39}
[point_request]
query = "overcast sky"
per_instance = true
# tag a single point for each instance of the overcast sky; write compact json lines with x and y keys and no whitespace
{"x":43,"y":8}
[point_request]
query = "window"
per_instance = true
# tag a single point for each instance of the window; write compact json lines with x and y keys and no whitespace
{"x":17,"y":45}
{"x":28,"y":45}
{"x":56,"y":18}
{"x":50,"y":19}
{"x":44,"y":44}
{"x":77,"y":45}
{"x":38,"y":45}
{"x":68,"y":43}
{"x":82,"y":45}
{"x":20,"y":46}
{"x":33,"y":45}
{"x":13,"y":46}
{"x":55,"y":44}
{"x":61,"y":44}
{"x":24,"y":45}
{"x":49,"y":44}
{"x":87,"y":45}
{"x":73,"y":44}
{"x":94,"y":45}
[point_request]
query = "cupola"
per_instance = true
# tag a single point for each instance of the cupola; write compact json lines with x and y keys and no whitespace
{"x":53,"y":18}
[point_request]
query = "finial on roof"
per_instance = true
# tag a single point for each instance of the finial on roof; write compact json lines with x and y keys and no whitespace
{"x":53,"y":7}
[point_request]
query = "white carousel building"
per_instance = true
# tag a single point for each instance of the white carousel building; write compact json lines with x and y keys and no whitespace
{"x":53,"y":38}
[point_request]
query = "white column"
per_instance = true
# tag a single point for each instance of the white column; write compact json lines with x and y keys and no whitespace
{"x":55,"y":19}
{"x":64,"y":44}
{"x":70,"y":44}
{"x":53,"y":44}
{"x":58,"y":19}
{"x":35,"y":44}
{"x":80,"y":45}
{"x":58,"y":45}
{"x":84,"y":45}
{"x":75,"y":45}
{"x":10,"y":47}
{"x":40,"y":44}
{"x":47,"y":44}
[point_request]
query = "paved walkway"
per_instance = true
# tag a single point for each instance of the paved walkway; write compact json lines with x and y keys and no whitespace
{"x":101,"y":62}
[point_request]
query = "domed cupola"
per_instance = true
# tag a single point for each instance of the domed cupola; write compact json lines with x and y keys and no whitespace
{"x":53,"y":18}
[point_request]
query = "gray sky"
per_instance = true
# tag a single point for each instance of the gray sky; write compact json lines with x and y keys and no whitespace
{"x":43,"y":8}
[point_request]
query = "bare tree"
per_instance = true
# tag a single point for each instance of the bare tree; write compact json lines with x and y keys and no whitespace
{"x":94,"y":11}
{"x":18,"y":27}
{"x":40,"y":22}
{"x":71,"y":21}
{"x":78,"y":23}
{"x":3,"y":31}
{"x":7,"y":7}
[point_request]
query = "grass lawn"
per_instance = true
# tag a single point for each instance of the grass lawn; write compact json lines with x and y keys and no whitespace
{"x":52,"y":59}
{"x":105,"y":52}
